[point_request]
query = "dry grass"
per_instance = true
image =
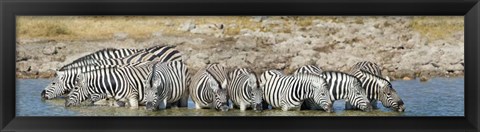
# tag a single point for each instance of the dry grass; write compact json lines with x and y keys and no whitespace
{"x":141,"y":27}
{"x":94,"y":28}
{"x":439,"y":26}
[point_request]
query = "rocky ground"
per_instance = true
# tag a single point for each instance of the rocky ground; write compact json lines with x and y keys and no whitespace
{"x":279,"y":43}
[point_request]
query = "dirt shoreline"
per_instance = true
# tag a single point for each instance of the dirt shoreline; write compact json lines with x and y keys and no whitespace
{"x":391,"y":42}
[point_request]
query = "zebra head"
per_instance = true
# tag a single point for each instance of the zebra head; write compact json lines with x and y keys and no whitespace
{"x":220,"y":94}
{"x":385,"y":92}
{"x":321,"y":95}
{"x":358,"y":97}
{"x":151,"y":97}
{"x":390,"y":99}
{"x":58,"y":86}
{"x":79,"y":92}
{"x":256,"y":93}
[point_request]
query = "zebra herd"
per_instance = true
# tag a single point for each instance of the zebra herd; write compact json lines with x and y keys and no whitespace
{"x":157,"y":78}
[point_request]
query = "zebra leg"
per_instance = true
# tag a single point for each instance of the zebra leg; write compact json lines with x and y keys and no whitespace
{"x":284,"y":105}
{"x":197,"y":106}
{"x":243,"y":106}
{"x":133,"y":101}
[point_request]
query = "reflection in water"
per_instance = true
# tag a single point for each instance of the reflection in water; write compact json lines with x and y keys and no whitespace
{"x":437,"y":97}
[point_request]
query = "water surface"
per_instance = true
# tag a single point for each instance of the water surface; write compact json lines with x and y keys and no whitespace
{"x":436,"y":97}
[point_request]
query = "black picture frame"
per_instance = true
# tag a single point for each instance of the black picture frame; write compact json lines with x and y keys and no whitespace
{"x":470,"y":9}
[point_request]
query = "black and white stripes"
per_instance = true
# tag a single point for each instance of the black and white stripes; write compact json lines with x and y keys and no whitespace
{"x":243,"y":89}
{"x":345,"y":86}
{"x":64,"y":80}
{"x":289,"y":92}
{"x":209,"y":88}
{"x":167,"y":83}
{"x":112,"y":82}
{"x":377,"y":88}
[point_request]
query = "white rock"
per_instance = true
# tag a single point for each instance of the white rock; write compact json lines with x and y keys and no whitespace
{"x":49,"y":50}
{"x":187,"y":26}
{"x":120,"y":36}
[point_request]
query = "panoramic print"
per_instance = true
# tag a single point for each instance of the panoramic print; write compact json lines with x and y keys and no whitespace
{"x":240,"y":66}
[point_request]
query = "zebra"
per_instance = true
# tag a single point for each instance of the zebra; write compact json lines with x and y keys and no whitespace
{"x":289,"y":92}
{"x":377,"y":87}
{"x":308,"y":69}
{"x":108,"y":53}
{"x":112,"y":82}
{"x":209,"y":88}
{"x":64,"y":80}
{"x":167,"y":83}
{"x":134,"y":76}
{"x":243,"y":89}
{"x":348,"y":87}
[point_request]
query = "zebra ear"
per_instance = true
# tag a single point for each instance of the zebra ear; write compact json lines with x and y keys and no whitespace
{"x":387,"y":78}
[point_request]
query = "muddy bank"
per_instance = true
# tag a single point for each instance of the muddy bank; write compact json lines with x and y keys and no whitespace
{"x":279,"y":43}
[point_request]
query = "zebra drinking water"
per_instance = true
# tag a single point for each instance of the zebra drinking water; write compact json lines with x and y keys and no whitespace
{"x":243,"y":90}
{"x":309,"y":69}
{"x":168,"y":83}
{"x":209,"y":88}
{"x":134,"y":75}
{"x":345,"y":86}
{"x":289,"y":92}
{"x":64,"y":80}
{"x":112,"y":82}
{"x":377,"y":87}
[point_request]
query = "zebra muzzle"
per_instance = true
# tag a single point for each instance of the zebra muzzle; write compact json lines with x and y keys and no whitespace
{"x":150,"y":106}
{"x":401,"y":108}
{"x":68,"y":104}
{"x":43,"y":94}
{"x":258,"y":107}
{"x":328,"y":108}
{"x":224,"y":107}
